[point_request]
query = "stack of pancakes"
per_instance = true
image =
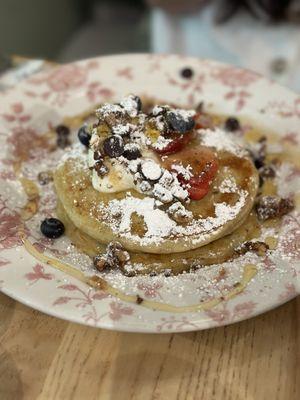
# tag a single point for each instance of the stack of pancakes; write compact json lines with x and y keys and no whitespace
{"x":221,"y":222}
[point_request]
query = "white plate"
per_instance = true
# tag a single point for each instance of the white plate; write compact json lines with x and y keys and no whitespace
{"x":43,"y":100}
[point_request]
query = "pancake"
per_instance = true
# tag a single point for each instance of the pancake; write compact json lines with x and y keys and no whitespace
{"x":216,"y":252}
{"x":140,"y":225}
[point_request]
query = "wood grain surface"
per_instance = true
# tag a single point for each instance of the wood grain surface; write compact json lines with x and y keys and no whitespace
{"x":42,"y":357}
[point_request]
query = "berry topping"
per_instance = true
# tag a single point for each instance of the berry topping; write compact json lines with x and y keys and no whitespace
{"x":180,"y":122}
{"x":113,"y":146}
{"x":232,"y":124}
{"x":84,"y":136}
{"x":200,"y":165}
{"x":52,"y":228}
{"x":173,"y":143}
{"x":187,"y":73}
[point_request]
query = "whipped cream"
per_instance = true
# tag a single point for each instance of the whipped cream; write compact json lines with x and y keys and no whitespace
{"x":120,"y":176}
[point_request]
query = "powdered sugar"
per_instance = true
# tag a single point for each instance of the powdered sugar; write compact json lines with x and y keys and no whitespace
{"x":221,"y":140}
{"x":159,"y":225}
{"x":108,"y":108}
{"x":184,"y":114}
{"x":151,"y":170}
{"x":78,"y":152}
{"x":228,"y":185}
{"x":161,"y":143}
{"x":185,"y":172}
{"x":130,"y":105}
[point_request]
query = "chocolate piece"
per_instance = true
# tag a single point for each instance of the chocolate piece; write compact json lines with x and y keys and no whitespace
{"x":139,"y":299}
{"x":100,"y":263}
{"x":132,"y":153}
{"x":98,"y":155}
{"x":138,"y":102}
{"x":272,"y":207}
{"x":132,"y":105}
{"x":84,"y":135}
{"x":232,"y":124}
{"x":178,"y":123}
{"x":113,"y":146}
{"x":45,"y":177}
{"x":62,"y":130}
{"x":162,"y":194}
{"x":111,"y":114}
{"x":101,"y":168}
{"x":267,"y":171}
{"x":179,"y":213}
{"x":115,"y":257}
{"x":145,"y":186}
{"x":122,"y":130}
{"x":260,"y":248}
{"x":259,"y":155}
{"x":187,"y":73}
{"x":52,"y":228}
{"x":200,"y":107}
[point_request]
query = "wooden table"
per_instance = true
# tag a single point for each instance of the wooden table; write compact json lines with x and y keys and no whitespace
{"x":42,"y":357}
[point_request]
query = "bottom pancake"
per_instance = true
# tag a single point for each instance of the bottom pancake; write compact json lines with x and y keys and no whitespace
{"x":216,"y":252}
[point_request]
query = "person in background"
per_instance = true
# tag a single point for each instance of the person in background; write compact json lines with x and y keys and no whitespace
{"x":262,"y":35}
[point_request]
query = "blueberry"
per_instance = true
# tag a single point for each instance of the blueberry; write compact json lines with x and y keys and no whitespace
{"x":52,"y":228}
{"x":232,"y":124}
{"x":62,"y":130}
{"x":187,"y":73}
{"x":84,"y":136}
{"x":113,"y":146}
{"x":178,"y":123}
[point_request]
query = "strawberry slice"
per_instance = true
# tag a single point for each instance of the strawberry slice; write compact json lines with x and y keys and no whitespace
{"x":202,"y":165}
{"x":179,"y":141}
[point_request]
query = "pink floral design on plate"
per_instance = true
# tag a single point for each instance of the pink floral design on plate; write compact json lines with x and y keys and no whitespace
{"x":86,"y":300}
{"x":150,"y":290}
{"x":9,"y":227}
{"x":238,"y":81}
{"x":38,"y":272}
{"x":97,"y":92}
{"x":74,"y":88}
{"x":240,"y":311}
{"x":175,"y":324}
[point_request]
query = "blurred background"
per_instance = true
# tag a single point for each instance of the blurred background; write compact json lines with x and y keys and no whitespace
{"x":263,"y":35}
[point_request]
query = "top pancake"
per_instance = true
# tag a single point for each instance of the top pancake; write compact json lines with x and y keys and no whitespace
{"x":140,"y":225}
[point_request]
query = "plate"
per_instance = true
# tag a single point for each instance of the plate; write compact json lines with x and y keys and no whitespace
{"x":30,"y":109}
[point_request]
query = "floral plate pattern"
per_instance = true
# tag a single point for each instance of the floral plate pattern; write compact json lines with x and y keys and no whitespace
{"x":43,"y":100}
